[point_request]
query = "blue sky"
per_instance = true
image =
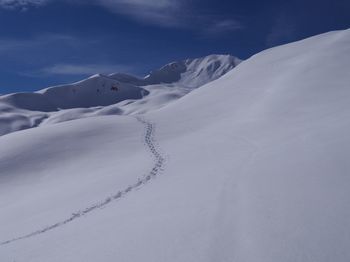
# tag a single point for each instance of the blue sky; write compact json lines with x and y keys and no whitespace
{"x":49,"y":42}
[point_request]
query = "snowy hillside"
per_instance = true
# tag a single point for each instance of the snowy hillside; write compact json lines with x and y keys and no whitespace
{"x":91,"y":96}
{"x":250,"y":167}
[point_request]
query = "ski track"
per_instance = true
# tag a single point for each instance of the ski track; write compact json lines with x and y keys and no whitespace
{"x":158,"y":167}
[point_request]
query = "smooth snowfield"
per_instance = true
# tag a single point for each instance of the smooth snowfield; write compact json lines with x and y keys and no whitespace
{"x":256,"y":170}
{"x":159,"y":161}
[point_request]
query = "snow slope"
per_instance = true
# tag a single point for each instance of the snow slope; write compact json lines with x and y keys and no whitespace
{"x":24,"y":110}
{"x":255,"y":169}
{"x":100,"y":94}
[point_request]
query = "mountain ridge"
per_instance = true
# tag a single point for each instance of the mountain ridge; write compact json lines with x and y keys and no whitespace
{"x":116,"y":93}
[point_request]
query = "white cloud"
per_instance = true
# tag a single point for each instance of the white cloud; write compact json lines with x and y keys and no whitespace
{"x":162,"y":13}
{"x":166,"y":13}
{"x":158,"y":12}
{"x":83,"y":69}
{"x":14,"y":4}
{"x":171,"y":13}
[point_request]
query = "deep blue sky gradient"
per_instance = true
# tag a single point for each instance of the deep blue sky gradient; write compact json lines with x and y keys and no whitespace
{"x":39,"y":44}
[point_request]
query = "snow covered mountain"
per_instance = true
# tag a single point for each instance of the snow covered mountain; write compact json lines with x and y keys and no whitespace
{"x":250,"y":167}
{"x":24,"y":110}
{"x":193,"y":73}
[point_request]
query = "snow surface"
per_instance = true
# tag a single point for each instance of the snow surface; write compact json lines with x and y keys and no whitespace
{"x":101,"y":94}
{"x":256,"y":169}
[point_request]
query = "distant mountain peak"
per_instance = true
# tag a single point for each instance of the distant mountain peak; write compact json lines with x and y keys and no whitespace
{"x":191,"y":72}
{"x":116,"y":93}
{"x":195,"y":72}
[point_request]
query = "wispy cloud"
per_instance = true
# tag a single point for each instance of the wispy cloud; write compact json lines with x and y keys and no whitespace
{"x":162,"y":13}
{"x":21,"y":4}
{"x":218,"y":26}
{"x":81,"y":69}
{"x":171,"y":13}
{"x":44,"y":50}
{"x":158,"y":12}
{"x":12,"y":46}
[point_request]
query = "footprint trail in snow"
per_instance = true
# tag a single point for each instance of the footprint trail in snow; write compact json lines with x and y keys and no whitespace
{"x":159,"y":161}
